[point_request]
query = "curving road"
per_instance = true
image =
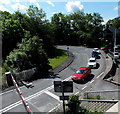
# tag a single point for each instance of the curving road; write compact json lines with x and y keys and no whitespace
{"x":42,"y":98}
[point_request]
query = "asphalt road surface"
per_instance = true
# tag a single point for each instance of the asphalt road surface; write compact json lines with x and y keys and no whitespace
{"x":42,"y":98}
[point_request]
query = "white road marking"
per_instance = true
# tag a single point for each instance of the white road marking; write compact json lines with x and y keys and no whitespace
{"x":100,"y":74}
{"x":76,"y":93}
{"x":10,"y":91}
{"x":52,"y":95}
{"x":23,"y":86}
{"x":54,"y":108}
{"x":29,"y":97}
{"x":84,"y":87}
{"x":67,"y":78}
{"x":92,"y":81}
{"x":10,"y":106}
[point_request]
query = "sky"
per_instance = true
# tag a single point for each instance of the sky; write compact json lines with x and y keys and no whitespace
{"x":108,"y":9}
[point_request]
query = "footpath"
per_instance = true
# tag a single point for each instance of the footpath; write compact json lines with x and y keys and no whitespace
{"x":114,"y":76}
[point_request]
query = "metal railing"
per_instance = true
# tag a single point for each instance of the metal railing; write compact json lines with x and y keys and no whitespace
{"x":103,"y":94}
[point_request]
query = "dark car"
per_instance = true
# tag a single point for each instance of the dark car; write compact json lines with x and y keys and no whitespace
{"x":81,"y":74}
{"x":95,"y":54}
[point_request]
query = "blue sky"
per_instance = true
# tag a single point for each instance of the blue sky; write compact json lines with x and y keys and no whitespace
{"x":107,"y":9}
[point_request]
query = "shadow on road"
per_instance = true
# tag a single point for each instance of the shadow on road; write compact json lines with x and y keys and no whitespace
{"x":97,"y":66}
{"x":86,"y":80}
{"x":50,"y":76}
{"x":98,"y":57}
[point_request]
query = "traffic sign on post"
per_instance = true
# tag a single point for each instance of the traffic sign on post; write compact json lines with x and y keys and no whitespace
{"x":63,"y":86}
{"x":57,"y":86}
{"x":65,"y":98}
{"x":67,"y":86}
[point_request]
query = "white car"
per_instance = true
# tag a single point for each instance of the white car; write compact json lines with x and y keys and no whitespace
{"x":96,"y":50}
{"x":116,"y":55}
{"x":92,"y":62}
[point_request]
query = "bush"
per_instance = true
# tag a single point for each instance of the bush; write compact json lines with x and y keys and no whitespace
{"x":73,"y":104}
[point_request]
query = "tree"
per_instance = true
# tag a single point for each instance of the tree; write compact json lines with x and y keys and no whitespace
{"x":61,"y":23}
{"x":73,"y":104}
{"x":12,"y":33}
{"x":18,"y":61}
{"x":35,"y":53}
{"x":77,"y":28}
{"x":38,"y":25}
{"x":114,"y":23}
{"x":30,"y":54}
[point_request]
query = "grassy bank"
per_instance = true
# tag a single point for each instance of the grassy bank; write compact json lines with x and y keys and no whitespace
{"x":59,"y":59}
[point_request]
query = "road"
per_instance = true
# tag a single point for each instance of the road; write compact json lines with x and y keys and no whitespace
{"x":42,"y":98}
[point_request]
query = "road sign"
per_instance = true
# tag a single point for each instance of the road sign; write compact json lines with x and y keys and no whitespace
{"x":57,"y":86}
{"x":67,"y":86}
{"x":63,"y":86}
{"x":65,"y":98}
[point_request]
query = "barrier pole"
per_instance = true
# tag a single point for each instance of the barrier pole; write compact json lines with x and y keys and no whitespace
{"x":29,"y":111}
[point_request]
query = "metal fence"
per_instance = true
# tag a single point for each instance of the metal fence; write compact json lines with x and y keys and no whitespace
{"x":103,"y":95}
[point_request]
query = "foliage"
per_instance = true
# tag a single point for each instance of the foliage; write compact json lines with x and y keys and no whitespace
{"x":17,"y":61}
{"x":12,"y":33}
{"x":73,"y":104}
{"x":3,"y":83}
{"x":85,"y":111}
{"x":77,"y":28}
{"x":114,"y":23}
{"x":30,"y":54}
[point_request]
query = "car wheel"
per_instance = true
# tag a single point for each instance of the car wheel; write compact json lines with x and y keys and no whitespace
{"x":83,"y":80}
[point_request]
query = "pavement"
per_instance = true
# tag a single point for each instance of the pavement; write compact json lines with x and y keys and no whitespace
{"x":114,"y":76}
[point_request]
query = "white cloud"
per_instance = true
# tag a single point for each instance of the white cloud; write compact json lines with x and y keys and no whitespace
{"x":33,"y":1}
{"x":17,"y":0}
{"x":20,"y":7}
{"x":38,"y":5}
{"x":4,"y":1}
{"x":117,"y":8}
{"x":2,"y":8}
{"x":50,"y":3}
{"x":74,"y":6}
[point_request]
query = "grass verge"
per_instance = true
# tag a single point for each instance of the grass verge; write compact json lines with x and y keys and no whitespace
{"x":59,"y":59}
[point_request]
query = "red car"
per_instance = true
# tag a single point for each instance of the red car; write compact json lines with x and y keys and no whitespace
{"x":106,"y":47}
{"x":81,"y":74}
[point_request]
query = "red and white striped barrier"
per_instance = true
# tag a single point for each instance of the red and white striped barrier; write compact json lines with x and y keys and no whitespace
{"x":21,"y":96}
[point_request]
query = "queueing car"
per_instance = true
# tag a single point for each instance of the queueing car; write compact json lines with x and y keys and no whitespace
{"x":106,"y":47}
{"x":92,"y":62}
{"x":81,"y":74}
{"x":116,"y":55}
{"x":95,"y":54}
{"x":96,"y":50}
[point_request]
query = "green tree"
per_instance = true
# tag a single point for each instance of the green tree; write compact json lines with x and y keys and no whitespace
{"x":61,"y":23}
{"x":12,"y":33}
{"x":30,"y":54}
{"x":17,"y":61}
{"x":114,"y":23}
{"x":73,"y":104}
{"x":35,"y":53}
{"x":38,"y":25}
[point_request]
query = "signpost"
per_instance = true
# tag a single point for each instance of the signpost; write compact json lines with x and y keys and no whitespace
{"x":63,"y":86}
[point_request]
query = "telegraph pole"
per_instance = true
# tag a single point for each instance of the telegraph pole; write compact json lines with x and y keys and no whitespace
{"x":114,"y":41}
{"x":62,"y":87}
